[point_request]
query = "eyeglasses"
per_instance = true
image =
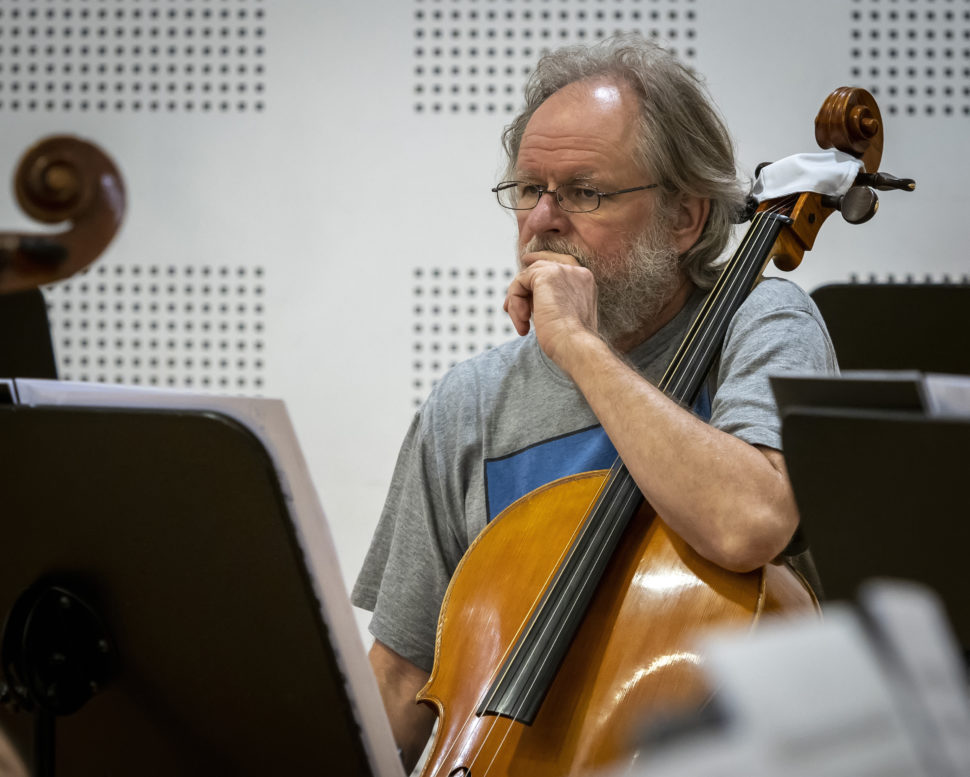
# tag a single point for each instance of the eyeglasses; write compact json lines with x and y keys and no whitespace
{"x":572,"y":197}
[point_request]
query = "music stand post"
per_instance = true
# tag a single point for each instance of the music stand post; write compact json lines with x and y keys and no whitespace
{"x":160,"y":547}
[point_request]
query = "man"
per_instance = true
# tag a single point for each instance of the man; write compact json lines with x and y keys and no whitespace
{"x":624,"y":186}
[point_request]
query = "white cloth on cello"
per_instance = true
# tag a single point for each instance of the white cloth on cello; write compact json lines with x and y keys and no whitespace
{"x":828,"y":172}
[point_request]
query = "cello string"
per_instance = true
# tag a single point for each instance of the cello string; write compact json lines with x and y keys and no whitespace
{"x":732,"y":293}
{"x":756,"y":233}
{"x":621,"y":500}
{"x":722,"y":289}
{"x":724,"y":295}
{"x":760,"y":233}
{"x":695,"y":352}
{"x":629,"y":498}
{"x":708,"y":305}
{"x":509,"y":728}
{"x":516,"y":645}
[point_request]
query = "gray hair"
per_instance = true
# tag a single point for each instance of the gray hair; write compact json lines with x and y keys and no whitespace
{"x":683,"y":143}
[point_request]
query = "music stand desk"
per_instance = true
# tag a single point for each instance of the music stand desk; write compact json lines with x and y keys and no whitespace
{"x":191,"y":525}
{"x":881,"y":484}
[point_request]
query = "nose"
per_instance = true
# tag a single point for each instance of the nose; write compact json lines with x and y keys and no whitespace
{"x":545,"y":218}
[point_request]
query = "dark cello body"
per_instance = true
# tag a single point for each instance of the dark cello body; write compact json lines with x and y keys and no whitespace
{"x":576,"y":612}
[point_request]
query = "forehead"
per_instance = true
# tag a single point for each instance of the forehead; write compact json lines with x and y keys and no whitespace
{"x":587,"y":128}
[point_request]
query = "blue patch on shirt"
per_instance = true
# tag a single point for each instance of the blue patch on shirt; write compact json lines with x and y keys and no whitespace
{"x":513,"y":476}
{"x":702,"y":406}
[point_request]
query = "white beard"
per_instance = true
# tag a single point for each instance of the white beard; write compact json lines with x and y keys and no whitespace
{"x":632,"y":288}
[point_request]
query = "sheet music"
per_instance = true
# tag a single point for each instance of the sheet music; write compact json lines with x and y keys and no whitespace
{"x":814,"y":696}
{"x":936,"y":394}
{"x":929,"y":673}
{"x":878,"y":691}
{"x":270,"y":422}
{"x":947,"y":395}
{"x":803,"y":697}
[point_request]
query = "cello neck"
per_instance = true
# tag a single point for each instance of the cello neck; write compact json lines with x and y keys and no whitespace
{"x":528,"y":671}
{"x":700,"y":347}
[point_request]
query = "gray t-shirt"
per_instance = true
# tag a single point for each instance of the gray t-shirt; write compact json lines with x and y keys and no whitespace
{"x":508,"y":421}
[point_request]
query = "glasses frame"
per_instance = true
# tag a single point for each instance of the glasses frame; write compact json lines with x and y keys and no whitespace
{"x":497,"y":189}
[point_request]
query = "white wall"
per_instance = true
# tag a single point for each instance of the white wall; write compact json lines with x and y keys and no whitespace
{"x":340,"y":192}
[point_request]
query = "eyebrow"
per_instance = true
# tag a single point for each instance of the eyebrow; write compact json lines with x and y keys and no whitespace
{"x":580,"y":177}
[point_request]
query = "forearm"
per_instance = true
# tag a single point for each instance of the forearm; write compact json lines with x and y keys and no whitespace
{"x":730,"y":501}
{"x":399,"y":681}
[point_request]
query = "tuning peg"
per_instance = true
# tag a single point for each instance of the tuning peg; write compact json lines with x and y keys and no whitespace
{"x":857,"y":205}
{"x":747,"y":212}
{"x":884,"y":182}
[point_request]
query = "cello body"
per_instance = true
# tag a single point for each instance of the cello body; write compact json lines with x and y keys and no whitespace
{"x":633,"y":652}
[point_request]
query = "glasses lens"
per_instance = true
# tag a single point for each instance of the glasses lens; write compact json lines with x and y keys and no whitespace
{"x":518,"y":196}
{"x":578,"y":199}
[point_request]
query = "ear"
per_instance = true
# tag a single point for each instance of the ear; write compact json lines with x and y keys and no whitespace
{"x":692,"y":213}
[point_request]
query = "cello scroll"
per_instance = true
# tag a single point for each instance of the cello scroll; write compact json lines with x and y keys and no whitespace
{"x":61,"y":179}
{"x":849,"y":121}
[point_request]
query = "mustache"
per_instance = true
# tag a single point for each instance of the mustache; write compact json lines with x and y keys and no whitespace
{"x":556,"y":245}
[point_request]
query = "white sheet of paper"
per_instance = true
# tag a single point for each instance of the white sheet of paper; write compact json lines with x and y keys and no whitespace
{"x":930,"y":677}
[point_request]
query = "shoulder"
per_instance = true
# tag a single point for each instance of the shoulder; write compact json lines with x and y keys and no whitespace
{"x":779,"y":322}
{"x":778,"y":298}
{"x":779,"y":293}
{"x":487,"y":371}
{"x":472,"y":387}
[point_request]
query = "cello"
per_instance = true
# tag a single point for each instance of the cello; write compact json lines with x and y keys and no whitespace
{"x":592,"y":606}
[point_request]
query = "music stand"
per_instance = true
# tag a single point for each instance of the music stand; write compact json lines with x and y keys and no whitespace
{"x":898,"y":326}
{"x":25,"y":337}
{"x":881,"y":486}
{"x":233,"y":648}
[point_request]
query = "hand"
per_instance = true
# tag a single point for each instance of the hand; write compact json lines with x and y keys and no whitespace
{"x":558,"y":295}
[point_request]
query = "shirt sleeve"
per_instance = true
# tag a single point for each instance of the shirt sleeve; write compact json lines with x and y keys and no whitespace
{"x":408,"y":566}
{"x":777,"y":330}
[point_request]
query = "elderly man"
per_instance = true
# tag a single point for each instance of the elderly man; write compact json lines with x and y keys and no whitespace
{"x":623,"y":182}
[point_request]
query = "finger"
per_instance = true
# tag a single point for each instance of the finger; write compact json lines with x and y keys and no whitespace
{"x":518,"y":302}
{"x":520,"y":312}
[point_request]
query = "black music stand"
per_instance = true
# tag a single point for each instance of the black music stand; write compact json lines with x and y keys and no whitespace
{"x":882,"y":487}
{"x":25,"y":337}
{"x":898,"y":326}
{"x":195,"y":595}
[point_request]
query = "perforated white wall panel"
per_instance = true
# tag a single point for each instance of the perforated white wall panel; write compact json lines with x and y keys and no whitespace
{"x":181,"y":55}
{"x":457,"y":313}
{"x":915,"y":55}
{"x":310,"y":214}
{"x":181,"y":327}
{"x":472,"y":56}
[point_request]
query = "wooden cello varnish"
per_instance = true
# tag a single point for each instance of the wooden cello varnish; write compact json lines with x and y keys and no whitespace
{"x":656,"y":597}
